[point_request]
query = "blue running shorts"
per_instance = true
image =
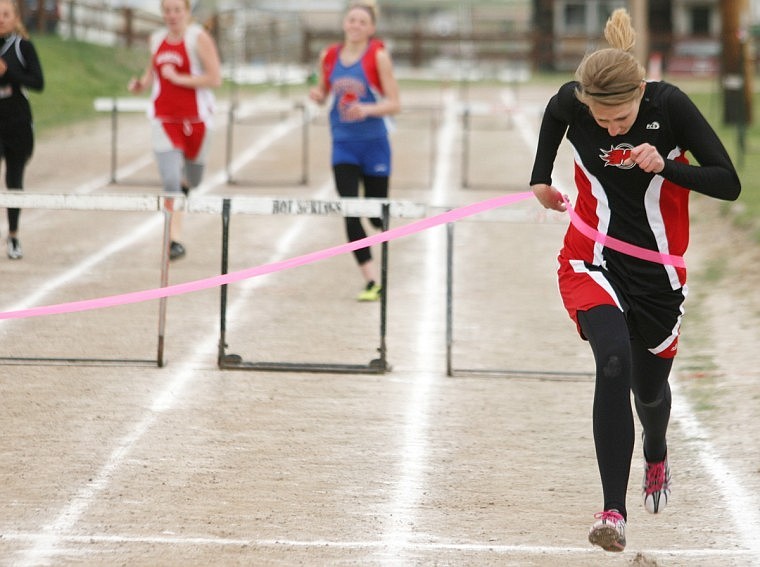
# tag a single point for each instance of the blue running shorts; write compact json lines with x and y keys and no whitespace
{"x":373,"y":156}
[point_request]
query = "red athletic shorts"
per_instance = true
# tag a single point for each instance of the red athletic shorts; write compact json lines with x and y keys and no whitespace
{"x":655,"y":317}
{"x":186,"y":136}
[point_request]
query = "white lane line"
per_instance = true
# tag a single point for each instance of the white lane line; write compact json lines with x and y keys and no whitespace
{"x":552,"y":553}
{"x":46,"y":546}
{"x":743,"y":507}
{"x":404,"y":504}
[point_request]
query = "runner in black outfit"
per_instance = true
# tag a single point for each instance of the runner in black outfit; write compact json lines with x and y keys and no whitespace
{"x":19,"y":69}
{"x":630,"y":139}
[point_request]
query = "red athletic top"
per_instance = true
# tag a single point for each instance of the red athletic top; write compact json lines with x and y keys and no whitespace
{"x":175,"y":103}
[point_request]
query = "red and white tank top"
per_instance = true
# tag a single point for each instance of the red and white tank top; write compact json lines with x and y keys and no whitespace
{"x":174,"y":102}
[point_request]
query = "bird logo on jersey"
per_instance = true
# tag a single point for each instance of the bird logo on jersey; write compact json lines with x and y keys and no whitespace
{"x":617,"y":156}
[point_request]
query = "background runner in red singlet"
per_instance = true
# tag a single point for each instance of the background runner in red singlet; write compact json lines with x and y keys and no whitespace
{"x":183,"y":69}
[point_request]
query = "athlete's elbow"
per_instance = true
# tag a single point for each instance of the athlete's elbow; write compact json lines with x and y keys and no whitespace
{"x":734,"y":193}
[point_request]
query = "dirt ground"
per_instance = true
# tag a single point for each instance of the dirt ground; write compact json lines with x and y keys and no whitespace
{"x":122,"y":462}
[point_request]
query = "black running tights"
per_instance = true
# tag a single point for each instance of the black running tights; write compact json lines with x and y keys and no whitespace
{"x":623,"y":364}
{"x":347,"y":179}
{"x":16,"y":146}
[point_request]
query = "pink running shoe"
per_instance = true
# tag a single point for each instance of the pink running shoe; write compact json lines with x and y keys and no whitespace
{"x":656,"y":485}
{"x":608,"y":532}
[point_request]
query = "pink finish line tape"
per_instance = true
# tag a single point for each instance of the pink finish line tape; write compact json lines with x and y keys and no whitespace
{"x":619,"y":245}
{"x":197,"y":285}
{"x":391,"y":234}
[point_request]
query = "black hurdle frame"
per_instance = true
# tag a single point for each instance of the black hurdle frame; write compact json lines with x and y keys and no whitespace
{"x":229,"y":361}
{"x":451,"y":371}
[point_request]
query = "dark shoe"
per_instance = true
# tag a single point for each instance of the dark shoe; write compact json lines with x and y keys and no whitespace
{"x":176,"y":250}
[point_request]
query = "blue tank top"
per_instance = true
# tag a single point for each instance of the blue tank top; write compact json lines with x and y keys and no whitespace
{"x":350,"y":84}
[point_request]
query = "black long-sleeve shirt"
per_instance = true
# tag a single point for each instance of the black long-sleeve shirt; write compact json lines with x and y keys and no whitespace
{"x":24,"y":72}
{"x":624,"y":201}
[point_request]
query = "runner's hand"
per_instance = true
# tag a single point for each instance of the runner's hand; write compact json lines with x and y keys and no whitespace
{"x":549,"y":197}
{"x":647,"y":158}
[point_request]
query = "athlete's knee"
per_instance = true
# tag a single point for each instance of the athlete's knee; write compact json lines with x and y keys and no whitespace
{"x":646,"y":398}
{"x":613,"y":366}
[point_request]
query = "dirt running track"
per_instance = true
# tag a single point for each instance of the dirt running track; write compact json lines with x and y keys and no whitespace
{"x":187,"y":464}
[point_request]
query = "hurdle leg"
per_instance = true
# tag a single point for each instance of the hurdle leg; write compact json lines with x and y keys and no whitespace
{"x":449,"y":296}
{"x":224,"y":359}
{"x":114,"y":139}
{"x":168,"y":211}
{"x":228,"y":148}
{"x":381,"y":363}
{"x":466,"y":148}
{"x":304,"y":146}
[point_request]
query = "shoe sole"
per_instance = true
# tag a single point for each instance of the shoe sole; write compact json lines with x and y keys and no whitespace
{"x":656,"y":504}
{"x":606,"y":537}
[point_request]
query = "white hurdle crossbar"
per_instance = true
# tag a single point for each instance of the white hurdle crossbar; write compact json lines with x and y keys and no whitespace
{"x":225,"y":206}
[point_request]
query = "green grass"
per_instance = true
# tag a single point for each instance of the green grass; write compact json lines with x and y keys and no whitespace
{"x":75,"y":74}
{"x":745,"y":212}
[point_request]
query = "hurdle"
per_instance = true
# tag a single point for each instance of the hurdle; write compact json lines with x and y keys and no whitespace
{"x":250,"y":113}
{"x":74,"y":202}
{"x":513,"y":216}
{"x":468,"y":111}
{"x":237,"y":113}
{"x":355,"y":207}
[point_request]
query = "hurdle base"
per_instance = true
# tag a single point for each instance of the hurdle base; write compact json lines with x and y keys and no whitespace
{"x":236,"y":362}
{"x":516,"y":373}
{"x":42,"y":361}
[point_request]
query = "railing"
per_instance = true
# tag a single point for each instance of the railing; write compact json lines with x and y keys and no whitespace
{"x":99,"y":23}
{"x":418,"y":48}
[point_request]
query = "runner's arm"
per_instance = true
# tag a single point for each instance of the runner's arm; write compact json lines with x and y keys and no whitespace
{"x":28,"y":75}
{"x":715,"y":176}
{"x":211,"y":77}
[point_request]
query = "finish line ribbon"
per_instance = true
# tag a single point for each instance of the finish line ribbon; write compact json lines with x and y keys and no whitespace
{"x":232,"y":277}
{"x":619,"y":245}
{"x":391,"y":234}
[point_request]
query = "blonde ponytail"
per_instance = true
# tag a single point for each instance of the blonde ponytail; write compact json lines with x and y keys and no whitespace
{"x":612,"y":76}
{"x":619,"y":32}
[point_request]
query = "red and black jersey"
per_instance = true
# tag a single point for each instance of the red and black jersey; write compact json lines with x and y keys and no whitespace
{"x":645,"y":209}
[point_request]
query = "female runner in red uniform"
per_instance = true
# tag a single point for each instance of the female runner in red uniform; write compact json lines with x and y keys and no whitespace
{"x":183,"y":69}
{"x":629,"y":139}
